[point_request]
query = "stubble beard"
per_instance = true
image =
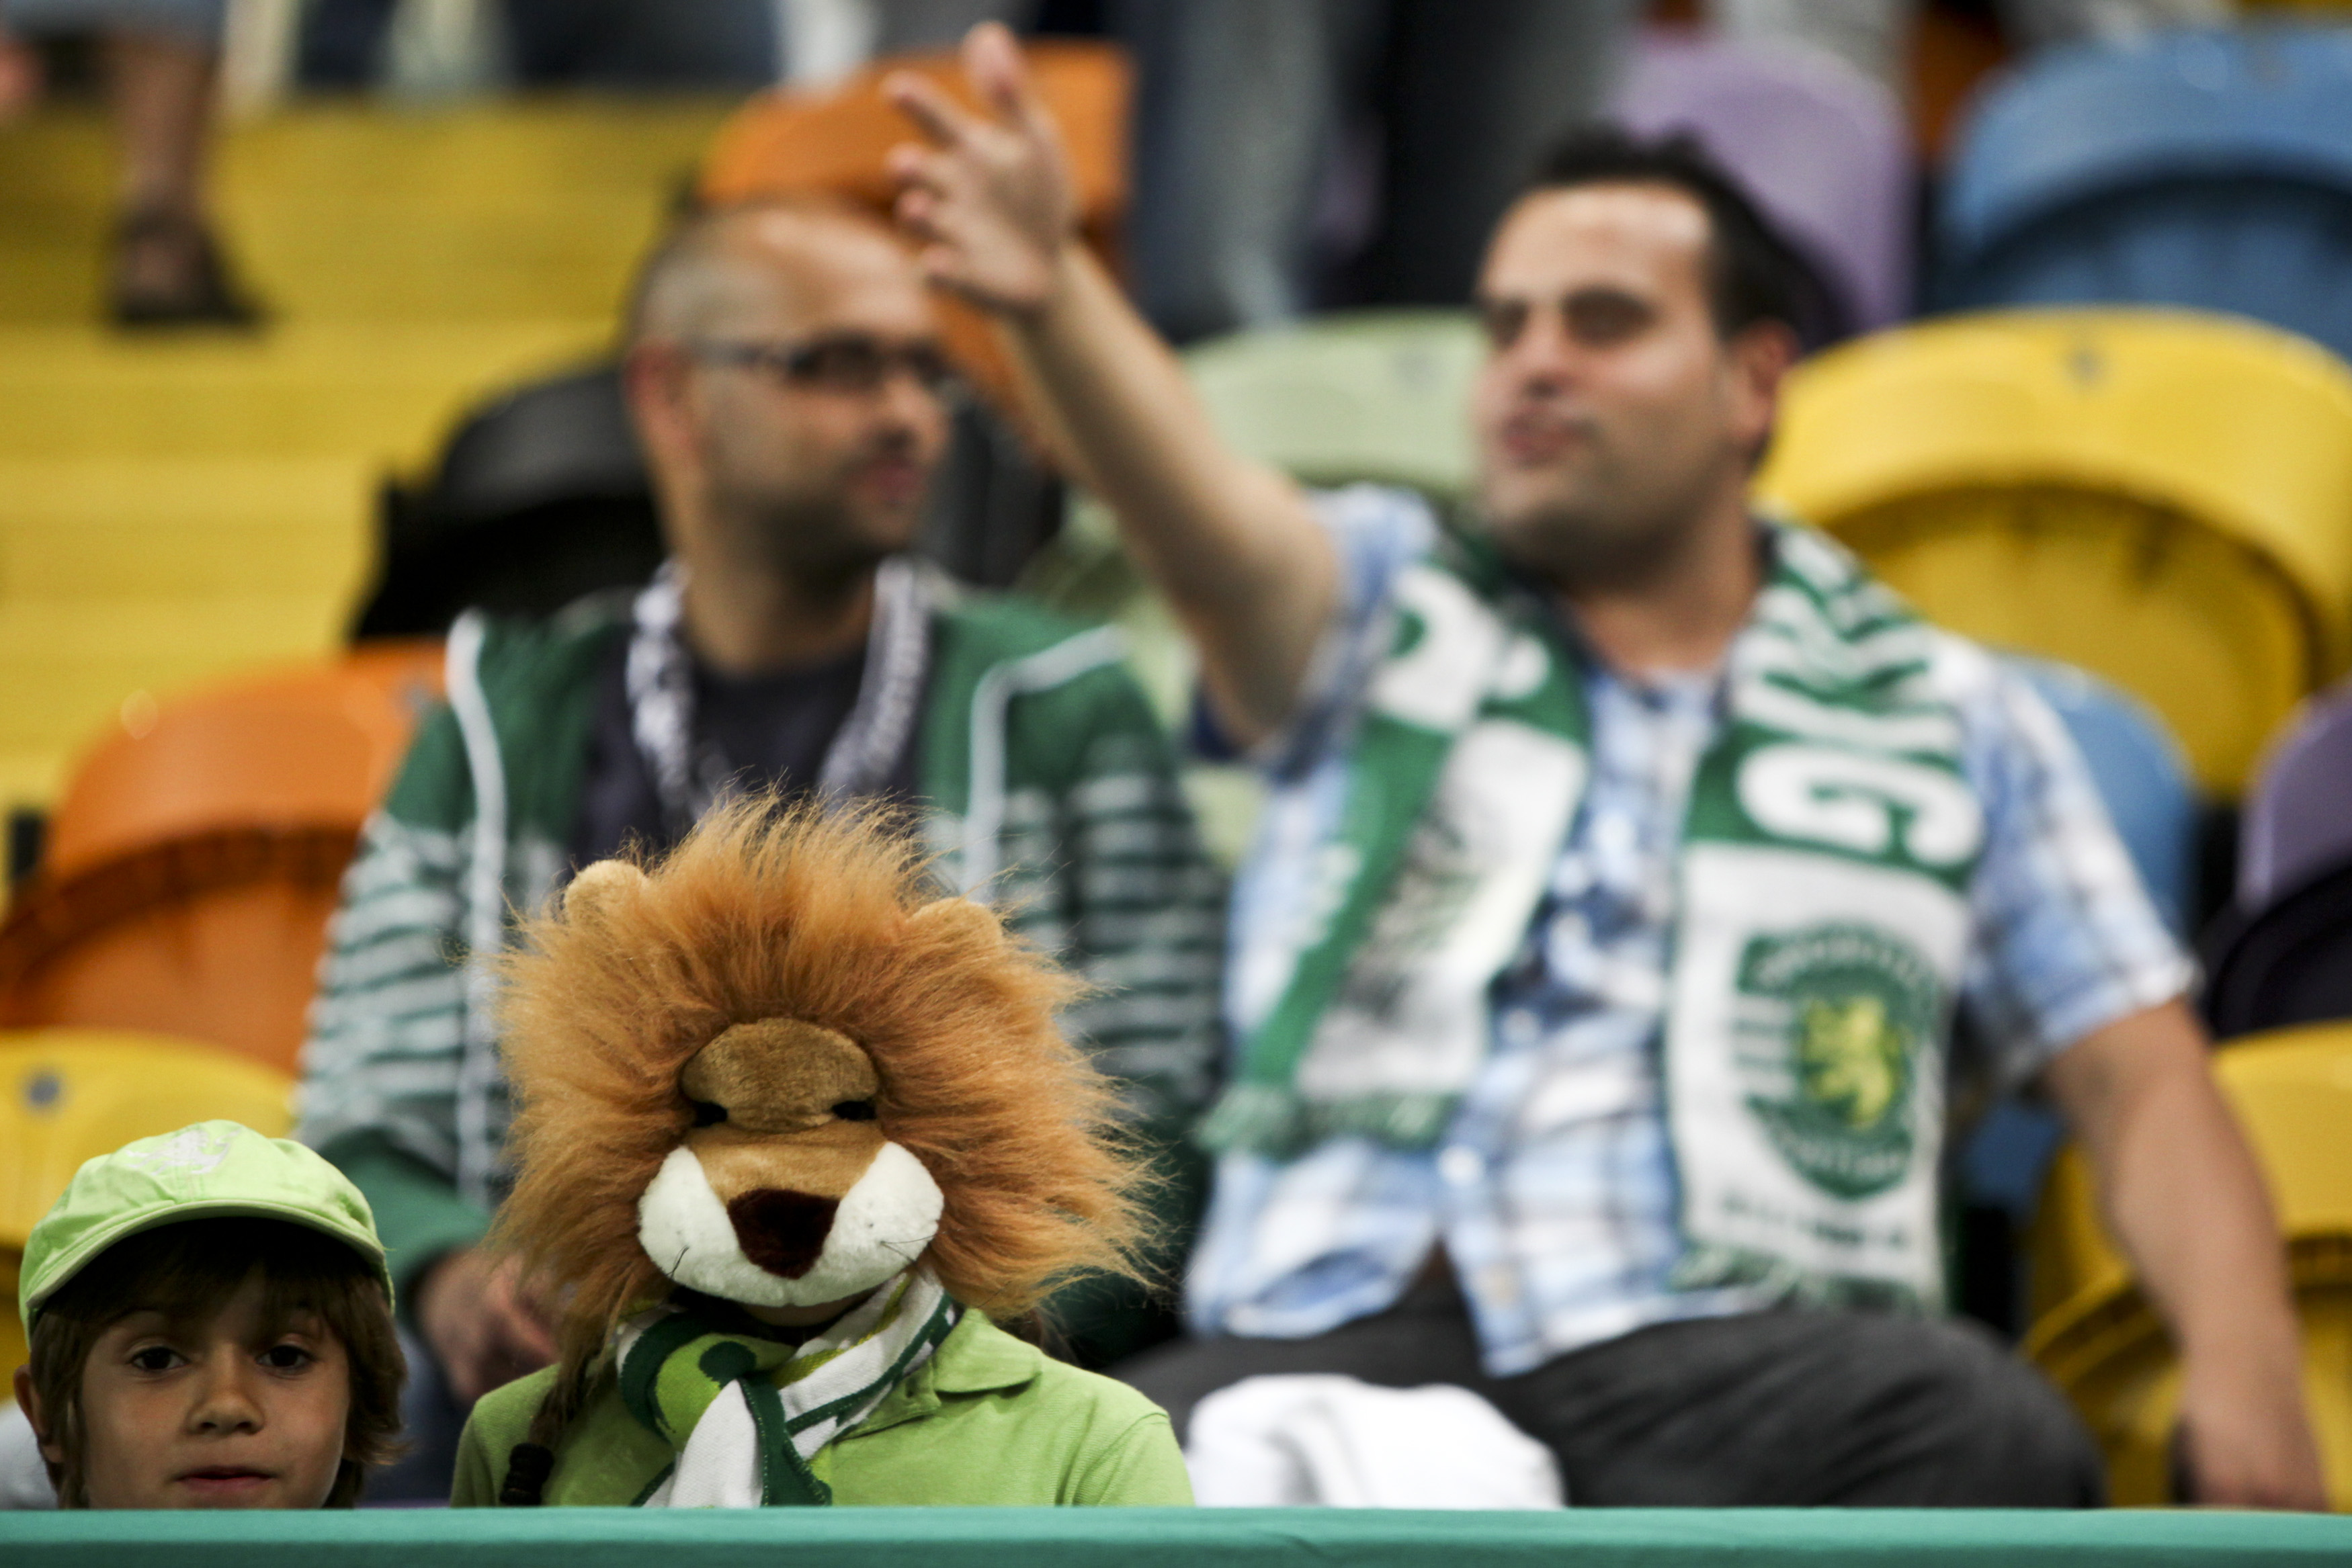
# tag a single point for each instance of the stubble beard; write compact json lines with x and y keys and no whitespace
{"x":1583,"y":548}
{"x":821,"y":543}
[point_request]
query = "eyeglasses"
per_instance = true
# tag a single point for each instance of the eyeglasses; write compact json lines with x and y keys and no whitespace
{"x":841,"y":361}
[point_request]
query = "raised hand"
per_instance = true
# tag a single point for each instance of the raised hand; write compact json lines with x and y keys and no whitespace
{"x":990,"y":196}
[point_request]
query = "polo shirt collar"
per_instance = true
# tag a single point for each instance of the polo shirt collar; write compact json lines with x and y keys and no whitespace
{"x":977,"y":1357}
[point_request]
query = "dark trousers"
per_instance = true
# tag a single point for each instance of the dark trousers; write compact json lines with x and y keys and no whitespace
{"x":1766,"y":1409}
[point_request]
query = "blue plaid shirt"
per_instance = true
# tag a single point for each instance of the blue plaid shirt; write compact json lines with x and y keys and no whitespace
{"x":1553,"y":1191}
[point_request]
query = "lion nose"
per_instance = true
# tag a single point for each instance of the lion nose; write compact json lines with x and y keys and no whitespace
{"x":781,"y":1230}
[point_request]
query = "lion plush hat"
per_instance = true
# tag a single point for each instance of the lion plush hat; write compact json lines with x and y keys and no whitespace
{"x":778,"y":1070}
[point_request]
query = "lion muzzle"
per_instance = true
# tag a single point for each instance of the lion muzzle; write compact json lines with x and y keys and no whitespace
{"x":777,"y":1247}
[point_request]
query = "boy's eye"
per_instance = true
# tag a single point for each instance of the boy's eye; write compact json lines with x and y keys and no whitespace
{"x":287,"y":1358}
{"x":156,"y":1358}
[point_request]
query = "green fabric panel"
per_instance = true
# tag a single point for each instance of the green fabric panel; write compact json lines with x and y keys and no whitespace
{"x":972,"y":636}
{"x":1167,"y":1538}
{"x":1104,"y":705}
{"x":539,"y":679}
{"x":433,"y":789}
{"x":417,"y":1210}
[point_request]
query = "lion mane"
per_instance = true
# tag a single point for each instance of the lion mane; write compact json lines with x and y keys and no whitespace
{"x":766,"y":911}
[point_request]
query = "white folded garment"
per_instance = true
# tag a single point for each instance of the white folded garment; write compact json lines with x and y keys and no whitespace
{"x":1338,"y":1442}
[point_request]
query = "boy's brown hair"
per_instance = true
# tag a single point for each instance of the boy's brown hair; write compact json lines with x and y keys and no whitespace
{"x":185,"y":1271}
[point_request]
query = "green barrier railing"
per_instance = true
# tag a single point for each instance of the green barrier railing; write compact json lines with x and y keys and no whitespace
{"x":1164,"y":1538}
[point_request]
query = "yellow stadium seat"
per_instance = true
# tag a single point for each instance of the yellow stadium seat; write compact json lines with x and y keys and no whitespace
{"x":71,"y":1094}
{"x":2093,"y":1332}
{"x":2160,"y":496}
{"x":174,"y":507}
{"x":14,"y":1351}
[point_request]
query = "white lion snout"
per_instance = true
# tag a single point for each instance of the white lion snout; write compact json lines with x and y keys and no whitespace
{"x":880,"y":1226}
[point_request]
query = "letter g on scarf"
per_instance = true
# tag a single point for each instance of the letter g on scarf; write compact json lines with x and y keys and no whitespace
{"x":1843,"y":798}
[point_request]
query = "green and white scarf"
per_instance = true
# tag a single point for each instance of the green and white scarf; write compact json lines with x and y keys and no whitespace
{"x":745,"y":1414}
{"x":1827,"y":848}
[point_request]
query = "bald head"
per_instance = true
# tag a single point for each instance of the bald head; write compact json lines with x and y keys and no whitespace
{"x":762,"y":264}
{"x":775,"y":376}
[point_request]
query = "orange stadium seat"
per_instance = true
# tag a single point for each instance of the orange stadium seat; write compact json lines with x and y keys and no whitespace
{"x":193,"y":860}
{"x":833,"y":142}
{"x":2093,"y":1332}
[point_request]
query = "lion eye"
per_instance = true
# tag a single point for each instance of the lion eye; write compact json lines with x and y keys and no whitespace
{"x":707,"y":1112}
{"x":855,"y":1110}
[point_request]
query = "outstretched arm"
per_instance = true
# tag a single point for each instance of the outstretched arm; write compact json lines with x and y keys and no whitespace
{"x":2183,"y":1194}
{"x":1231,"y":543}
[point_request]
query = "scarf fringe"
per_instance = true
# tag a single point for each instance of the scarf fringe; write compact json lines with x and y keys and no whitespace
{"x":1272,"y":1120}
{"x":1711,"y":1266}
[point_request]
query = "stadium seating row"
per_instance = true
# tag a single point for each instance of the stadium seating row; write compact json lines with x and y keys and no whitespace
{"x":73,"y":1094}
{"x":2162,"y":496}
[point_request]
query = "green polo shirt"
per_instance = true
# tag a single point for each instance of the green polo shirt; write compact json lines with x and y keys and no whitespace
{"x":988,"y":1419}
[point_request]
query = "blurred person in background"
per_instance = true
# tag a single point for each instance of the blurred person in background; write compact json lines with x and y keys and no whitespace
{"x":655,"y":44}
{"x":1626,"y":858}
{"x":161,"y":61}
{"x":1875,"y":36}
{"x":787,"y":383}
{"x":1293,"y":156}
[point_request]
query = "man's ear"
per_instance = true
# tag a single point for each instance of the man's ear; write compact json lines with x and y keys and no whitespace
{"x":1761,"y":355}
{"x":598,"y":886}
{"x":654,"y":387}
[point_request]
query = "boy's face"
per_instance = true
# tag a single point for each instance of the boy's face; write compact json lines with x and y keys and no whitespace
{"x":236,"y":1413}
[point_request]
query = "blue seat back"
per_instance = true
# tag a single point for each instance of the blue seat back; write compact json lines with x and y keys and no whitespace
{"x":2204,"y":169}
{"x":2138,"y":768}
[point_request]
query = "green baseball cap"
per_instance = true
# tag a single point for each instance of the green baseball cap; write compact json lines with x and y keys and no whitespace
{"x":213,"y":1170}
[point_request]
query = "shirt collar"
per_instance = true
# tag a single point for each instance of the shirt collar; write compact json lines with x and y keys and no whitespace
{"x":977,"y":1357}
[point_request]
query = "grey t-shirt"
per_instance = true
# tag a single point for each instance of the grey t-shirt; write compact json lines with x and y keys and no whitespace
{"x":772,"y":729}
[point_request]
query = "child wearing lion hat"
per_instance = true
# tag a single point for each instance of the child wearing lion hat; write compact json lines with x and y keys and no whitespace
{"x":792,"y":1132}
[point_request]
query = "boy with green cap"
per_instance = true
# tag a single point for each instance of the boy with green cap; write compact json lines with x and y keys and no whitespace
{"x":210,"y":1327}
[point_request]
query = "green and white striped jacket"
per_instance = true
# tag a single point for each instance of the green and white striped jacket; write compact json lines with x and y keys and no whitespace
{"x":1050,"y":791}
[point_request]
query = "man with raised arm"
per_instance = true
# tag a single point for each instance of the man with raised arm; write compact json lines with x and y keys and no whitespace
{"x":1627,"y":859}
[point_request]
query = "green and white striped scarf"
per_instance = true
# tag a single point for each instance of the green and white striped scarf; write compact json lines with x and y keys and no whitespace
{"x":1827,"y":848}
{"x":745,"y":1414}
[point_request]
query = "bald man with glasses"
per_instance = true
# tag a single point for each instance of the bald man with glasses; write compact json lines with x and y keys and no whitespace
{"x":785,"y":376}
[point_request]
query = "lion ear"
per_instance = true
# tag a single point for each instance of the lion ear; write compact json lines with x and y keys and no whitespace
{"x":598,"y":886}
{"x":959,"y":919}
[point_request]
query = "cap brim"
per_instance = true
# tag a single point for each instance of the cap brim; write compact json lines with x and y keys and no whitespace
{"x":98,"y":1239}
